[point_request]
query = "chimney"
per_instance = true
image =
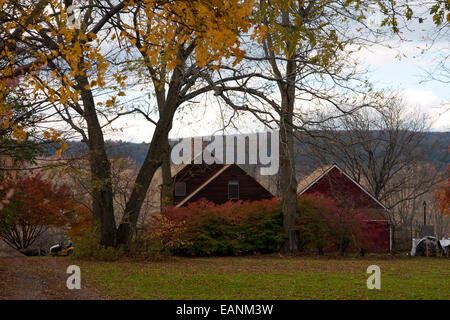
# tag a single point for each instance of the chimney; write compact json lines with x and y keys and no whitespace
{"x":193,"y":154}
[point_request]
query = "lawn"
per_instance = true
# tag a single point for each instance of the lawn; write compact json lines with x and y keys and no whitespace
{"x":270,"y":277}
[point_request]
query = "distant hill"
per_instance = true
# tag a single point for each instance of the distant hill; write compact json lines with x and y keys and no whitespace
{"x":435,"y":146}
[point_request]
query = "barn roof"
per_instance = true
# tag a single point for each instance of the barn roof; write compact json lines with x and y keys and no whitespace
{"x":312,"y":178}
{"x":321,"y":172}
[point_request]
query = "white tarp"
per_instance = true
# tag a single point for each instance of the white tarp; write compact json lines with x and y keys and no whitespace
{"x":415,"y":242}
{"x":445,"y":244}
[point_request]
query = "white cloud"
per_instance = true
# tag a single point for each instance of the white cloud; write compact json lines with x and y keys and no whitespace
{"x":130,"y":128}
{"x":379,"y":56}
{"x":435,"y":107}
{"x":206,"y":117}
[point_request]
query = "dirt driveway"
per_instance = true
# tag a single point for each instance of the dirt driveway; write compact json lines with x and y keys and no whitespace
{"x":40,"y":278}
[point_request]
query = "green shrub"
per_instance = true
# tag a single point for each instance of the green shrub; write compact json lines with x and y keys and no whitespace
{"x":312,"y":227}
{"x":144,"y":248}
{"x":88,"y":246}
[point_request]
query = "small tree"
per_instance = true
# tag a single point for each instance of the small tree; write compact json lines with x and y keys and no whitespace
{"x":81,"y":221}
{"x":442,"y":194}
{"x":386,"y":150}
{"x":36,"y":204}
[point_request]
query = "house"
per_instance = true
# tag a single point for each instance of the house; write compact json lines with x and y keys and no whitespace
{"x":333,"y":182}
{"x":217,"y":183}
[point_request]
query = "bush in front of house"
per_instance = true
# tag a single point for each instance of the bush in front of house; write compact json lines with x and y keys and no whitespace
{"x":203,"y":228}
{"x":312,"y":226}
{"x":324,"y":222}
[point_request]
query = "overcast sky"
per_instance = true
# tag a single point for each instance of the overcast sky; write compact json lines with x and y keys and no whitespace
{"x":403,"y":69}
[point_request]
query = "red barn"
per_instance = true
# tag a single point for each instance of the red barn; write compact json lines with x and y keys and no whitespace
{"x":217,"y":183}
{"x":333,"y":182}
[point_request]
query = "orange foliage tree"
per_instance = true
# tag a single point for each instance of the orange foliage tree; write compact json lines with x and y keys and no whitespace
{"x":36,"y":204}
{"x":67,"y":62}
{"x":80,"y":222}
{"x":442,"y":194}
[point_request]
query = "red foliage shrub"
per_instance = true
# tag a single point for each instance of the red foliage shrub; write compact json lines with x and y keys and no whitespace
{"x":325,"y":223}
{"x":203,"y":228}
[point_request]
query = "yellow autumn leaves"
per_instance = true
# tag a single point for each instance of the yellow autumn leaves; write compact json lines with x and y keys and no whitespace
{"x":212,"y":26}
{"x":55,"y":136}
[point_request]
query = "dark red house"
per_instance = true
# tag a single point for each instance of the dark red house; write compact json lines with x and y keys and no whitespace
{"x":333,"y":182}
{"x":217,"y":183}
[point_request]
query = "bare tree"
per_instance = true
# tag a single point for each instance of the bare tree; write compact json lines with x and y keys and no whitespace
{"x":301,"y":71}
{"x":387,"y":150}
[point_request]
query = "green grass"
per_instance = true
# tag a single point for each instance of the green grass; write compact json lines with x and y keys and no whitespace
{"x":270,"y":277}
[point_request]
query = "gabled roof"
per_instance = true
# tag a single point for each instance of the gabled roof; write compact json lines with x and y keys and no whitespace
{"x":215,"y":176}
{"x":319,"y":173}
{"x":312,"y":178}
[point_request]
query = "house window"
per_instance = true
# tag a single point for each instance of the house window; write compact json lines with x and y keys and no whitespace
{"x":180,"y":189}
{"x":233,"y":190}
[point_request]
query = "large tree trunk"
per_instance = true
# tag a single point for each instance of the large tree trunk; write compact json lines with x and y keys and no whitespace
{"x":153,"y":160}
{"x":100,"y":169}
{"x":157,"y":153}
{"x":167,"y":181}
{"x":288,"y":183}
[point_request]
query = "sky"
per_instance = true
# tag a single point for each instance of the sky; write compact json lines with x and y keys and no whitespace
{"x":402,"y":68}
{"x":407,"y":74}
